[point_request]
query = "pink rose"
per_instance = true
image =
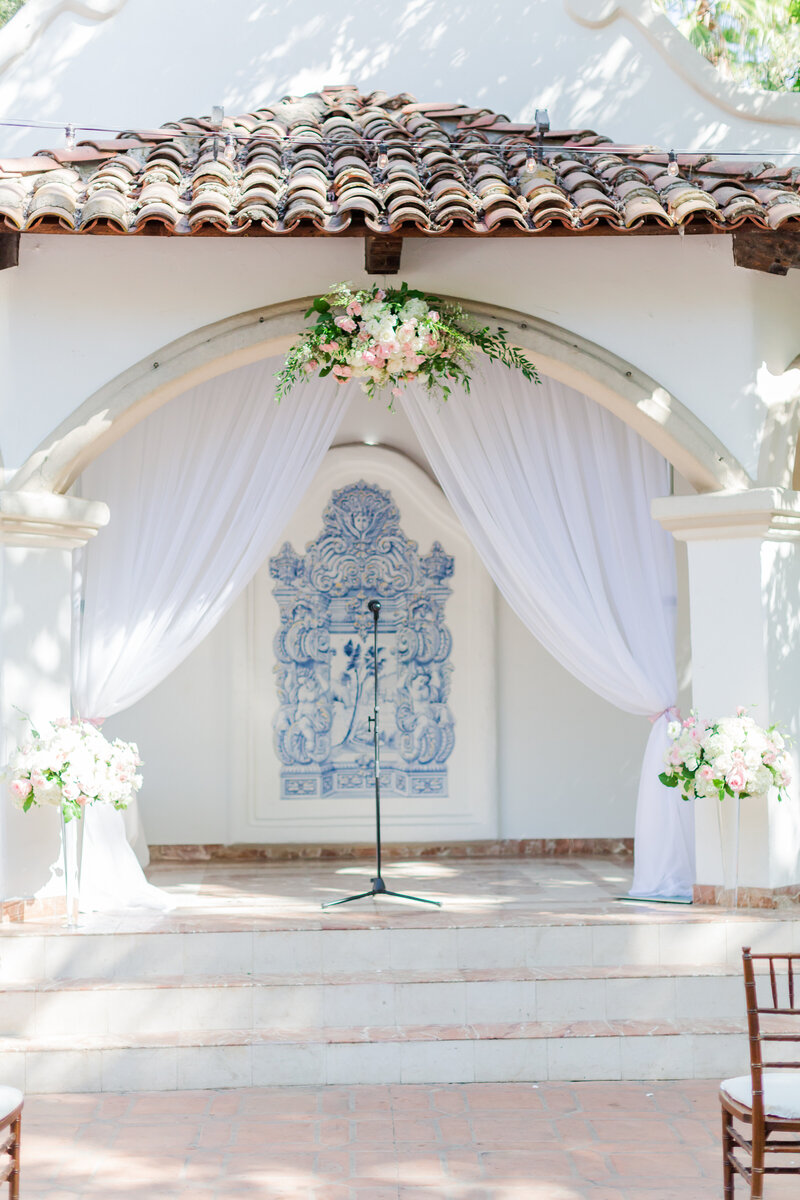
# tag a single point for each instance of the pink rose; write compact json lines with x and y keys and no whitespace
{"x":396,"y":391}
{"x":706,"y":772}
{"x":380,"y":294}
{"x":20,"y":788}
{"x":433,"y":315}
{"x":345,"y":323}
{"x":329,"y":347}
{"x":342,"y":372}
{"x":310,"y":367}
{"x":354,"y":309}
{"x":736,"y":778}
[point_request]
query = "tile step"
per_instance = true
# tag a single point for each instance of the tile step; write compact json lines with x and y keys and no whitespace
{"x":379,"y":975}
{"x":373,"y":1034}
{"x":400,"y":1000}
{"x":452,"y":1054}
{"x":353,"y":951}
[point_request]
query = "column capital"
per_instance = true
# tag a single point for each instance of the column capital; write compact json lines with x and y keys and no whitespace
{"x":771,"y":514}
{"x":46,"y":520}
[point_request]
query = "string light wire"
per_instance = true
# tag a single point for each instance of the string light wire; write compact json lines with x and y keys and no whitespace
{"x":520,"y":144}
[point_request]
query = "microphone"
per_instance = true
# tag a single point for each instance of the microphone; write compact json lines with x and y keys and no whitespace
{"x":374,"y":607}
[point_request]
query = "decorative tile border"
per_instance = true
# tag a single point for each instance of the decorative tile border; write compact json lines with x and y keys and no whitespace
{"x":502,"y":848}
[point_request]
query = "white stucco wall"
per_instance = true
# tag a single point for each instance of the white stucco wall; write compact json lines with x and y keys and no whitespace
{"x":79,"y":311}
{"x":611,"y":68}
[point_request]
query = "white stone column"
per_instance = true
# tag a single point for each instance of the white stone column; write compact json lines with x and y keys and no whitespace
{"x":38,"y":532}
{"x":744,"y":595}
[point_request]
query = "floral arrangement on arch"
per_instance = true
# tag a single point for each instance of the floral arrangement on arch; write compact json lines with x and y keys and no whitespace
{"x":729,"y":757}
{"x":387,"y":337}
{"x":72,"y":766}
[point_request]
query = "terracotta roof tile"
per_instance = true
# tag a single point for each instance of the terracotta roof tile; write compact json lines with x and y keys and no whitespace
{"x":338,"y":160}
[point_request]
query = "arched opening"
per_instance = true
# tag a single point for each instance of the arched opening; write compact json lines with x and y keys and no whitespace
{"x":639,"y":401}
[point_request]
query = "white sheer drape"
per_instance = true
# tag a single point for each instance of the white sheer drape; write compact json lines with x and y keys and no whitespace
{"x":199,"y":493}
{"x":555,"y":492}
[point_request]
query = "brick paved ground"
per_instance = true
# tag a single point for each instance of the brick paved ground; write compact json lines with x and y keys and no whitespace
{"x":599,"y":1141}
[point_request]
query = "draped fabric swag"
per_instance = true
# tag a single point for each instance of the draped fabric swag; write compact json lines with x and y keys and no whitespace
{"x":199,"y":493}
{"x":555,"y":493}
{"x":553,"y":490}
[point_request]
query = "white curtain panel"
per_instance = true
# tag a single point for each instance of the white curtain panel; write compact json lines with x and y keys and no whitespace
{"x":199,"y":493}
{"x":555,"y":493}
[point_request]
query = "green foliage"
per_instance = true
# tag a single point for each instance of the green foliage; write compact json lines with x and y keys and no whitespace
{"x":8,"y":8}
{"x":753,"y":42}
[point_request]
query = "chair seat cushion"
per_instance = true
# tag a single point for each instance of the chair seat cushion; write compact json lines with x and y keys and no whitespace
{"x":10,"y":1098}
{"x":781,"y":1093}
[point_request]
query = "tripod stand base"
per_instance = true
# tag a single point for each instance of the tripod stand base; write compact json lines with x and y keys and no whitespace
{"x":379,"y":888}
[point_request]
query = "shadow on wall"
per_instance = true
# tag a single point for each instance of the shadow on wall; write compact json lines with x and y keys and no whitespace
{"x":475,"y":53}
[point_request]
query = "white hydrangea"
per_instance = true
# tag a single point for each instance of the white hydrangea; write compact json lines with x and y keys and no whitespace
{"x":732,"y":755}
{"x":74,"y":765}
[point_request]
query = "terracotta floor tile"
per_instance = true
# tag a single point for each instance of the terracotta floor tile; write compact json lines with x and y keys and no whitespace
{"x":575,"y":1142}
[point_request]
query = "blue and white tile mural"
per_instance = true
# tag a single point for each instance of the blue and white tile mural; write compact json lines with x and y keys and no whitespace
{"x":324,"y":667}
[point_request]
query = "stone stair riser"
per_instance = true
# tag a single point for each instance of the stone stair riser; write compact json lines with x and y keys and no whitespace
{"x":143,"y":955}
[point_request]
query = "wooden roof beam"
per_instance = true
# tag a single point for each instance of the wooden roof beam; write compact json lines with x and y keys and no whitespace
{"x":382,"y":254}
{"x":764,"y":250}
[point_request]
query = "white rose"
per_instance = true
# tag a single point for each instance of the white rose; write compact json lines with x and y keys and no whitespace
{"x":674,"y":729}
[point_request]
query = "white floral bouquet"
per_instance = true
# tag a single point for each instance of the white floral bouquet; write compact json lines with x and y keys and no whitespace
{"x":72,"y":766}
{"x":732,"y":756}
{"x":389,"y":337}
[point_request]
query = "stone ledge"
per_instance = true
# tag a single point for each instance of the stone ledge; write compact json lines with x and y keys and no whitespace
{"x":502,"y":848}
{"x":748,"y":897}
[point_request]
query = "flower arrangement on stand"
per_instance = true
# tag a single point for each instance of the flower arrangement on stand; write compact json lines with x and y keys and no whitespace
{"x":733,"y":757}
{"x":729,"y":757}
{"x":387,"y":337}
{"x":68,"y":768}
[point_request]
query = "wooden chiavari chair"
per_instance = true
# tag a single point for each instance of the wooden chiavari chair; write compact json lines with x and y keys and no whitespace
{"x":768,"y":1099}
{"x":11,"y":1101}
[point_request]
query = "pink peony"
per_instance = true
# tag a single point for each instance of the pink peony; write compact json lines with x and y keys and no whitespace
{"x":345,"y":323}
{"x":354,"y":309}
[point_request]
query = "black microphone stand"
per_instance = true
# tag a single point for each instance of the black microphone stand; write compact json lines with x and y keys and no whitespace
{"x":378,"y":888}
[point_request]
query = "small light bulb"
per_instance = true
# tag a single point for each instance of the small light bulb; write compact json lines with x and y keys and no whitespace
{"x":530,"y":160}
{"x":383,"y":158}
{"x":230,"y":145}
{"x":672,"y":165}
{"x":69,"y":134}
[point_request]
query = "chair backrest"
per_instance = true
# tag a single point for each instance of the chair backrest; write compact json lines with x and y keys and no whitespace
{"x":775,"y":994}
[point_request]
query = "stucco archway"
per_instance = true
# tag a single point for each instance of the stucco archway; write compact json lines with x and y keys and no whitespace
{"x":261,"y":333}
